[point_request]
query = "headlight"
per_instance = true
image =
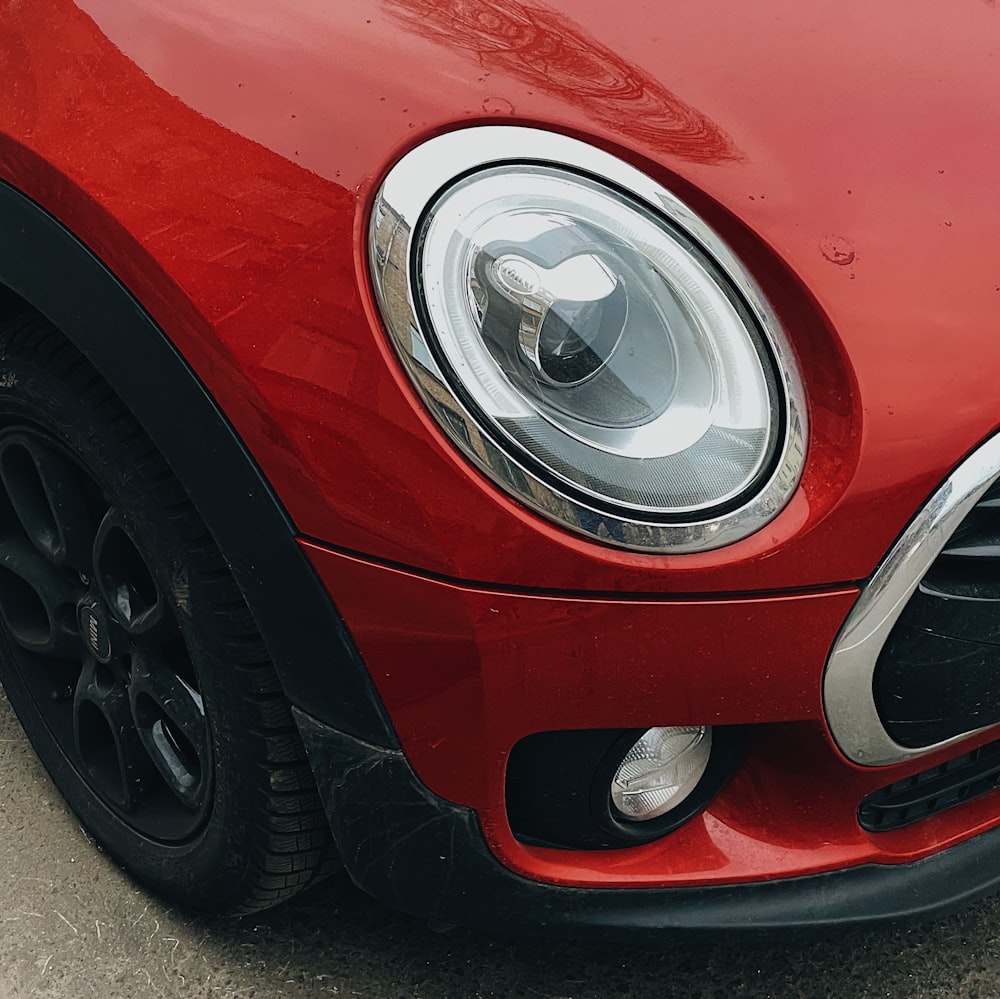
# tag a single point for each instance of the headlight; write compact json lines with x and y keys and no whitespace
{"x":586,"y":340}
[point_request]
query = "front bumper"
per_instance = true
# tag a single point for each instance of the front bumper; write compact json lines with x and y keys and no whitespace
{"x":427,"y":856}
{"x":465,"y":672}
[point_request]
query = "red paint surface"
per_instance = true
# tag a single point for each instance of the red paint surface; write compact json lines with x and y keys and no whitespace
{"x":467,"y":672}
{"x":221,"y":158}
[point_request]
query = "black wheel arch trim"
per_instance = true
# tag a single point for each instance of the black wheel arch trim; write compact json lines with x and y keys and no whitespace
{"x":318,"y":665}
{"x":427,"y":856}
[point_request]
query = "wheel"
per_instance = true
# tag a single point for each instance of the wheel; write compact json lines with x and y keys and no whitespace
{"x":129,"y":654}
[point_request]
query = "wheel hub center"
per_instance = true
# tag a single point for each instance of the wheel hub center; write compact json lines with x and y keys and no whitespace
{"x":95,"y":630}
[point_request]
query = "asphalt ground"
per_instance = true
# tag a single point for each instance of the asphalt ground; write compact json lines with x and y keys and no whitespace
{"x":73,"y":925}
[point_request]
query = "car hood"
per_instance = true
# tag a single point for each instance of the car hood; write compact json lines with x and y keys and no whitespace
{"x":849,"y":153}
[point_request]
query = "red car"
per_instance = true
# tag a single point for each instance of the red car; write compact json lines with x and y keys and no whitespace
{"x":540,"y":454}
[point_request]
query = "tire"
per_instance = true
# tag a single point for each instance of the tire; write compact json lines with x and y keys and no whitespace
{"x":129,"y":655}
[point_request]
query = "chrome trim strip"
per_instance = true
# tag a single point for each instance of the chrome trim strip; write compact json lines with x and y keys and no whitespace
{"x":847,"y":684}
{"x":407,"y":190}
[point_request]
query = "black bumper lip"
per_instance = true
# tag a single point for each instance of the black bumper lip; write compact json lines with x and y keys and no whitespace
{"x":427,"y":856}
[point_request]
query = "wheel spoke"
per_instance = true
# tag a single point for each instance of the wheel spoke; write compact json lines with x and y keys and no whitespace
{"x":37,"y":600}
{"x":169,"y":715}
{"x":125,"y":581}
{"x":106,"y":738}
{"x":48,"y":495}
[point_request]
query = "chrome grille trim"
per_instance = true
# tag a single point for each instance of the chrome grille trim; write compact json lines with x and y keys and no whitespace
{"x":847,"y":682}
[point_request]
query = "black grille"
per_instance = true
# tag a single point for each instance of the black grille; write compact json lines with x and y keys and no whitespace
{"x":925,"y":794}
{"x":937,"y":676}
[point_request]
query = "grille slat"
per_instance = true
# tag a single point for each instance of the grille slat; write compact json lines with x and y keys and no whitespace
{"x":974,"y":551}
{"x":933,"y":791}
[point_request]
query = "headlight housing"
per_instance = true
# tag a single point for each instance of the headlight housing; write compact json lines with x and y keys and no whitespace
{"x":586,"y":340}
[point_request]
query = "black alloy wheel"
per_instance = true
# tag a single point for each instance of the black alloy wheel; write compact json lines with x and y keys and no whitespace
{"x":129,"y":654}
{"x":110,"y":675}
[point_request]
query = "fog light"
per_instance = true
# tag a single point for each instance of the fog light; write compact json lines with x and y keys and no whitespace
{"x":660,"y":770}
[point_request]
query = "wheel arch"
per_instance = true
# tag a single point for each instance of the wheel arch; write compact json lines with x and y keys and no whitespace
{"x":43,"y":265}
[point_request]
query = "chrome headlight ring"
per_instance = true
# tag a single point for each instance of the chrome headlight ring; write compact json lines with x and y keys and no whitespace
{"x":586,"y":340}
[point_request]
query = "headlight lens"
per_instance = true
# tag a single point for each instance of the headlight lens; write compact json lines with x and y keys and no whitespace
{"x":596,"y":341}
{"x":594,"y":356}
